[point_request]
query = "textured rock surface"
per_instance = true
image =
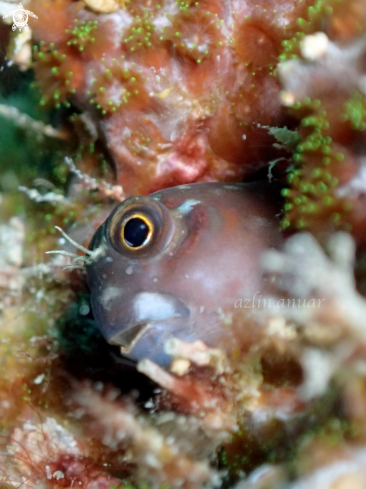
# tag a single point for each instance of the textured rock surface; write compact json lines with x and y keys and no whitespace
{"x":179,"y":91}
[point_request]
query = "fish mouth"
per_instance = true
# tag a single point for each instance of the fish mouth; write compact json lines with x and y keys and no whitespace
{"x":149,"y":311}
{"x":128,"y":339}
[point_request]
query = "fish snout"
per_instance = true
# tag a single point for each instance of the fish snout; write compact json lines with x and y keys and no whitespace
{"x":152,"y":318}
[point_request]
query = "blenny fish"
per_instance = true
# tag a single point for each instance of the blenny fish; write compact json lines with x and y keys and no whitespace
{"x":172,"y":263}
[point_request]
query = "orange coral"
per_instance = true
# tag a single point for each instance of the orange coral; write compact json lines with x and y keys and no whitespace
{"x":203,"y":76}
{"x":59,"y":74}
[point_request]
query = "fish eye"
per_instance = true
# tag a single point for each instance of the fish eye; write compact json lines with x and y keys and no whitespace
{"x":137,"y":231}
{"x":139,"y":227}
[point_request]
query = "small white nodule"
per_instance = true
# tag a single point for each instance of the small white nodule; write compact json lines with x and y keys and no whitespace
{"x":314,"y":46}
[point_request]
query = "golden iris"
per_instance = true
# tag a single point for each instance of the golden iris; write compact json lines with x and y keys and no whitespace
{"x":136,"y":231}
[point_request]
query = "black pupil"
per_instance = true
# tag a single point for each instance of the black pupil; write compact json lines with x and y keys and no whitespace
{"x":135,"y":232}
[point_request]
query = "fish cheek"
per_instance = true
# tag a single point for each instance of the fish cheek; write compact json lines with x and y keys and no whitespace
{"x":178,"y":267}
{"x":196,"y":225}
{"x":209,"y":265}
{"x":112,"y":283}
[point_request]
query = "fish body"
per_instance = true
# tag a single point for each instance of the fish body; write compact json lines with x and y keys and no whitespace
{"x":171,"y":264}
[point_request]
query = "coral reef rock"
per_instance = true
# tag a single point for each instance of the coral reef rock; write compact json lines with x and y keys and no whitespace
{"x":180,"y":91}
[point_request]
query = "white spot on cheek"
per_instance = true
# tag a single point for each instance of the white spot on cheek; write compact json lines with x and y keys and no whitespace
{"x":108,"y":295}
{"x":149,"y":306}
{"x":187,"y":206}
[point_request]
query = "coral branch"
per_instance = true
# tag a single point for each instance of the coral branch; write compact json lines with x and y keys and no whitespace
{"x":159,"y":459}
{"x":24,"y":121}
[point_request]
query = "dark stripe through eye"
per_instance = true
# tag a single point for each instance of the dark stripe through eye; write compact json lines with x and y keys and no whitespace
{"x":135,"y":232}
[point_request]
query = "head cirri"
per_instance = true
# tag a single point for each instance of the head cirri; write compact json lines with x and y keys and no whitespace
{"x":173,"y":261}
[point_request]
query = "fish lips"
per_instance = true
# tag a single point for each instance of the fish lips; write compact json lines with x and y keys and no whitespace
{"x":152,"y":319}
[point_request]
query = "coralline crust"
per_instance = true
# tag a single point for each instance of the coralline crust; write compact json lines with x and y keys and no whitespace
{"x":179,"y":90}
